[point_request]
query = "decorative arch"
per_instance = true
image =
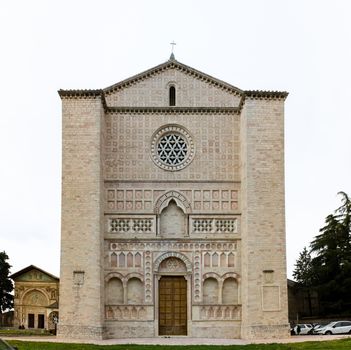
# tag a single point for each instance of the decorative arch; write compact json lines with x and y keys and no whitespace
{"x":181,"y":201}
{"x":180,"y":256}
{"x":211,"y":275}
{"x":33,"y":291}
{"x":114,"y":274}
{"x":230,"y":275}
{"x":171,"y":83}
{"x":135,"y":275}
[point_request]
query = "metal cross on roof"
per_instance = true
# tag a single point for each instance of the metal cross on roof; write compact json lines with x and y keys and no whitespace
{"x":173,"y":43}
{"x":172,"y":54}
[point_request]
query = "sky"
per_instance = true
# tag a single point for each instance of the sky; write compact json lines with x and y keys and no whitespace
{"x":299,"y":46}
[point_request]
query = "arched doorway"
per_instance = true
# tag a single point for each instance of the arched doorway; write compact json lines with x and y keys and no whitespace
{"x":172,"y":296}
{"x":172,"y":305}
{"x":35,"y":309}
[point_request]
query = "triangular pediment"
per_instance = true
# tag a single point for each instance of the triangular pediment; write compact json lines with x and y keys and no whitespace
{"x":193,"y":88}
{"x":33,"y":274}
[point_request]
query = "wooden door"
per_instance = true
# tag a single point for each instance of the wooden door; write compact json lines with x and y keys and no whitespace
{"x":172,"y":305}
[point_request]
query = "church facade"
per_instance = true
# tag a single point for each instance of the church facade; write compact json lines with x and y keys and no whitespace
{"x":173,"y":217}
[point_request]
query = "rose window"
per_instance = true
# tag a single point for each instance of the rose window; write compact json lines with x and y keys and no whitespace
{"x":172,"y":147}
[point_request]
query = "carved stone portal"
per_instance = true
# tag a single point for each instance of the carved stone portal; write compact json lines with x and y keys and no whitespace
{"x":172,"y":265}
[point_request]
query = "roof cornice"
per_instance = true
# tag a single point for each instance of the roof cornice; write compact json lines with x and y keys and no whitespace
{"x":174,"y":110}
{"x":266,"y":95}
{"x":80,"y":93}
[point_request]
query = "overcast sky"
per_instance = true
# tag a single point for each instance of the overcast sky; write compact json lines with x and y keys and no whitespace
{"x":303,"y":47}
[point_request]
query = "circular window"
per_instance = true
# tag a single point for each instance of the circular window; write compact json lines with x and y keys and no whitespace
{"x":172,"y":147}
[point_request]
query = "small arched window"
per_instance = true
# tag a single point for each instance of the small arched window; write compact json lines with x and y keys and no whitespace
{"x":172,"y":96}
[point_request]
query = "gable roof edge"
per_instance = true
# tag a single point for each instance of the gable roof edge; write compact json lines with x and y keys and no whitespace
{"x":31,"y":267}
{"x":177,"y":65}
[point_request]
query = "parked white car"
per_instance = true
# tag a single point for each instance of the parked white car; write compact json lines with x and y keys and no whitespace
{"x":338,"y":327}
{"x":305,"y":328}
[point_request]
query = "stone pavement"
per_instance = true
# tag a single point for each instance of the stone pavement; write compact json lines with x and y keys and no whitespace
{"x":182,"y":340}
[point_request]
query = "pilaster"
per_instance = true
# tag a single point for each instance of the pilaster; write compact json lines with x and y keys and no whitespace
{"x":264,"y":284}
{"x":81,"y":297}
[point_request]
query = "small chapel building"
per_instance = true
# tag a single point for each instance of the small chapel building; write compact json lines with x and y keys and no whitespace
{"x":173,"y":214}
{"x":36,"y":299}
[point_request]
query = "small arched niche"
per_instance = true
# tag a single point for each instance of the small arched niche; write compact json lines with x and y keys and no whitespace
{"x":114,"y":292}
{"x":135,"y":291}
{"x":210,"y":291}
{"x":230,"y":293}
{"x":172,"y":221}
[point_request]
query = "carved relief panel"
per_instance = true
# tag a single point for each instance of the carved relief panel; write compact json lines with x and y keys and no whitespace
{"x":216,"y":198}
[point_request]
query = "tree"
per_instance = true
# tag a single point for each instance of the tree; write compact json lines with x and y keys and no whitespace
{"x":331,"y":264}
{"x":6,"y":287}
{"x":326,"y":268}
{"x":303,"y":275}
{"x":303,"y":269}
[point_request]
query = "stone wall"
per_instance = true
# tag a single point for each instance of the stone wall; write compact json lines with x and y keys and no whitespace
{"x":264,"y":291}
{"x":129,"y":139}
{"x":81,"y":286}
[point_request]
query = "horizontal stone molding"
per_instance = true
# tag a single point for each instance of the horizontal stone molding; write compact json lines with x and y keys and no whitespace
{"x":168,"y":245}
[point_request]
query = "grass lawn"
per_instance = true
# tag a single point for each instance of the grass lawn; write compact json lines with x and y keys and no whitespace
{"x":342,"y":344}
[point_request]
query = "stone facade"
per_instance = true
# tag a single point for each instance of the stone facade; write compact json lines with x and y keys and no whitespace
{"x":173,"y":176}
{"x":36,"y":298}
